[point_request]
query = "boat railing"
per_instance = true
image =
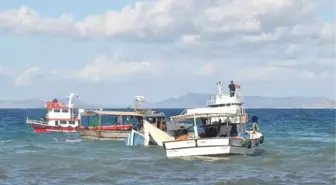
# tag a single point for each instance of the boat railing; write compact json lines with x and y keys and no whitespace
{"x":212,"y":99}
{"x":32,"y":121}
{"x":72,"y":116}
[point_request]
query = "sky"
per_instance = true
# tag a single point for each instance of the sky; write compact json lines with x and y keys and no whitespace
{"x":111,"y":51}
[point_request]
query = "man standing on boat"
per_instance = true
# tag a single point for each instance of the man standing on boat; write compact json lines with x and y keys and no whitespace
{"x":255,"y":123}
{"x":232,"y":88}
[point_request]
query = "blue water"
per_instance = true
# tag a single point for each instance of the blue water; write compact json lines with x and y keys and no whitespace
{"x":299,"y":148}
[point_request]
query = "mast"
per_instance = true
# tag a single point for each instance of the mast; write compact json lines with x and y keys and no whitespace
{"x":138,"y":100}
{"x":219,"y":87}
{"x":70,"y":104}
{"x":70,"y":99}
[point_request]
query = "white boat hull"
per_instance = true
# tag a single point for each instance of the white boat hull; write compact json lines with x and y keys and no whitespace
{"x":209,"y":147}
{"x":209,"y":151}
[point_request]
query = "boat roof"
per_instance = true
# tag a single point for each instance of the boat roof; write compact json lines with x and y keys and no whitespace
{"x":154,"y":115}
{"x":123,"y":113}
{"x":150,"y":113}
{"x":200,"y":115}
{"x":117,"y":113}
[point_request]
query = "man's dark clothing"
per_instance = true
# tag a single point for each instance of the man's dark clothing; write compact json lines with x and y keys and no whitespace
{"x":232,"y":88}
{"x":254,"y":119}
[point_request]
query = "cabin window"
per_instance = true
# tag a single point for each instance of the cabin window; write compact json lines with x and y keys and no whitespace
{"x":56,"y":122}
{"x":65,"y":110}
{"x":71,"y":122}
{"x":63,"y":122}
{"x":57,"y":110}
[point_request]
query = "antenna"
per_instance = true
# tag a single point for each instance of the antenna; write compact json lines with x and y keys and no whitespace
{"x":138,"y":100}
{"x":70,"y":99}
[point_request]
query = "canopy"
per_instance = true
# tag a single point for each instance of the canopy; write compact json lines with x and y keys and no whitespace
{"x":117,"y":113}
{"x":216,"y":110}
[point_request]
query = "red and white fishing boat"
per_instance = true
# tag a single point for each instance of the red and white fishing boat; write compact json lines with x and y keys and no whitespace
{"x":59,"y":117}
{"x":63,"y":118}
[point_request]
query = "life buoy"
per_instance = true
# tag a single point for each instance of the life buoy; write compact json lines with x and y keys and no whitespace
{"x":246,"y":117}
{"x":70,"y":128}
{"x":59,"y":128}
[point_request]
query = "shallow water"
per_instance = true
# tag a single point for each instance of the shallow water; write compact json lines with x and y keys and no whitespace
{"x":299,"y":148}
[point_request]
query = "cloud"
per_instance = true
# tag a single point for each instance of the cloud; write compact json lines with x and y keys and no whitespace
{"x":248,"y":41}
{"x":190,"y":38}
{"x":27,"y":20}
{"x":254,"y":21}
{"x":32,"y":75}
{"x":289,"y":70}
{"x":116,"y":69}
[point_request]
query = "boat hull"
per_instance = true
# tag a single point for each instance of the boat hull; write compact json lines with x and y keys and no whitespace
{"x":48,"y":128}
{"x":210,"y":147}
{"x":118,"y":135}
{"x":209,"y":151}
{"x":43,"y":128}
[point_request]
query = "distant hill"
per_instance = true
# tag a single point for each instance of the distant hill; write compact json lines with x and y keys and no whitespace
{"x":191,"y":100}
{"x":287,"y":102}
{"x":37,"y":103}
{"x":186,"y":101}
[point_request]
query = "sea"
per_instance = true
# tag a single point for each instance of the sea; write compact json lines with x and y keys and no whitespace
{"x":299,"y":148}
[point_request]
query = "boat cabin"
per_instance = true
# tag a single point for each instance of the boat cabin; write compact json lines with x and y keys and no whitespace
{"x":223,"y":102}
{"x":154,"y":117}
{"x":120,"y":119}
{"x":60,"y":114}
{"x":206,"y":129}
{"x":113,"y":125}
{"x":222,"y":99}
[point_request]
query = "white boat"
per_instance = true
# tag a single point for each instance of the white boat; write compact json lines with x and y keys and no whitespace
{"x":224,"y":123}
{"x":59,"y":117}
{"x":231,"y":138}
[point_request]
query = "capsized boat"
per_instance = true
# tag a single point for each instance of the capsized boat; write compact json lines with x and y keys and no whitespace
{"x":153,"y":129}
{"x":150,"y":135}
